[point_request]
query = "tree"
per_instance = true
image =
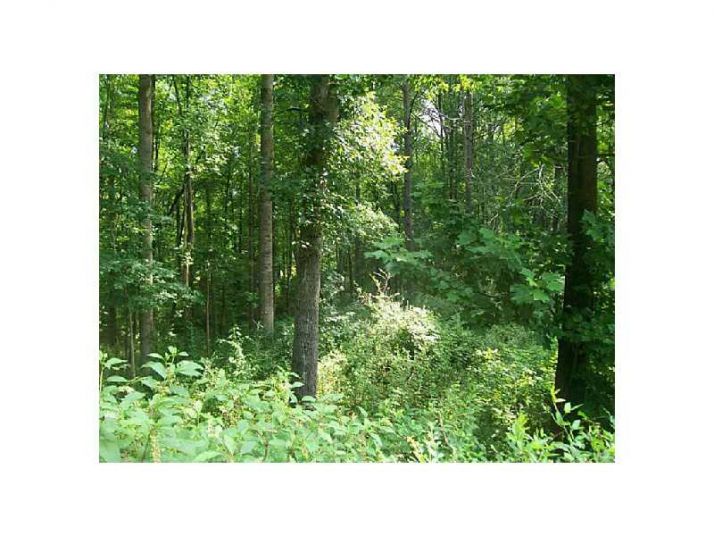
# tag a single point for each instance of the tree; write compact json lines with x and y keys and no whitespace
{"x":321,"y":117}
{"x":146,"y":141}
{"x":266,"y":204}
{"x":407,"y":100}
{"x":187,"y":226}
{"x":570,"y":380}
{"x":469,"y":151}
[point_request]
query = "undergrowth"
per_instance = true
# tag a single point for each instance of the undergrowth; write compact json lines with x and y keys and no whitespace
{"x":397,"y":383}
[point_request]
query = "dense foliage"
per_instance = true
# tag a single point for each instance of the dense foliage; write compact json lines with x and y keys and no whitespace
{"x":453,"y":261}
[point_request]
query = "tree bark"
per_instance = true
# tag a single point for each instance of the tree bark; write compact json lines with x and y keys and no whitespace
{"x":130,"y":343}
{"x":322,"y":114}
{"x":570,"y":378}
{"x":408,"y":156}
{"x":187,"y":222}
{"x":358,"y":250}
{"x":111,"y":333}
{"x":146,"y":142}
{"x":469,"y":151}
{"x":266,"y":205}
{"x":251,"y":241}
{"x":112,"y":326}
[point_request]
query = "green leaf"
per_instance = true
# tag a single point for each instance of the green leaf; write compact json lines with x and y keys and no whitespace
{"x":539,"y":295}
{"x":205,"y":456}
{"x":188,"y":368}
{"x":242,"y":426}
{"x":181,"y":391}
{"x":247,"y":447}
{"x":157,"y":367}
{"x":112,"y":361}
{"x":169,"y":420}
{"x":131,"y":397}
{"x":116,"y":379}
{"x":553,"y":282}
{"x":278,"y":443}
{"x":230,"y":443}
{"x":109,"y":451}
{"x":150,"y":382}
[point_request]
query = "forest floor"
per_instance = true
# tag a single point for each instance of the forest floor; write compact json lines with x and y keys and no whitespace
{"x":396,"y":383}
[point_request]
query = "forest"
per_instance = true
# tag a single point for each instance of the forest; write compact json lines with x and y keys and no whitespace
{"x":356,"y":268}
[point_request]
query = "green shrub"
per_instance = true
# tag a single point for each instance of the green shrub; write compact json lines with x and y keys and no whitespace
{"x":391,"y":355}
{"x":215,"y":417}
{"x":396,"y":383}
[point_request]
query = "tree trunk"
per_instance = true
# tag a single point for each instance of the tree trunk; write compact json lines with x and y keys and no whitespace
{"x":582,"y":196}
{"x":469,"y":151}
{"x":408,"y":149}
{"x":146,"y":142}
{"x":322,"y":113}
{"x":187,"y":222}
{"x":130,"y":343}
{"x":111,"y":337}
{"x":208,"y":310}
{"x":443,"y":130}
{"x":358,"y":253}
{"x":266,"y":204}
{"x":209,"y":259}
{"x":291,"y":238}
{"x":111,"y":326}
{"x":251,"y":241}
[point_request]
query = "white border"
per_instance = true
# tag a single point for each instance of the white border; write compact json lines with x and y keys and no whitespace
{"x":52,"y":53}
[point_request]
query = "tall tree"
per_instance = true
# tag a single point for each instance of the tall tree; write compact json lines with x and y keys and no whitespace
{"x":582,"y":196}
{"x":187,"y":226}
{"x":407,"y":101}
{"x":321,"y":116}
{"x":146,"y":141}
{"x":266,"y":204}
{"x":111,"y":334}
{"x":469,"y":151}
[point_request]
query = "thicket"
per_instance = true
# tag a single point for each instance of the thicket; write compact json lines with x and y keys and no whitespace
{"x":396,"y":384}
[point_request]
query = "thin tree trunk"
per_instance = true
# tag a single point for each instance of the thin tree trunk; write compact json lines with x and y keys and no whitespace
{"x":468,"y":151}
{"x":452,"y":160}
{"x":146,"y":141}
{"x":570,"y":378}
{"x":443,"y":130}
{"x":408,"y":149}
{"x":291,"y":237}
{"x":358,"y":254}
{"x":157,"y":137}
{"x":266,"y":205}
{"x":209,"y":258}
{"x":187,"y":222}
{"x":322,"y":114}
{"x":251,"y":244}
{"x":112,"y":325}
{"x":112,"y":335}
{"x":130,"y":336}
{"x":208,"y":310}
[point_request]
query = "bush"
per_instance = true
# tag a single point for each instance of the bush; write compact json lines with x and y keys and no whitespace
{"x":187,"y":411}
{"x":396,"y":383}
{"x":405,"y":356}
{"x":215,"y":417}
{"x":392,"y":355}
